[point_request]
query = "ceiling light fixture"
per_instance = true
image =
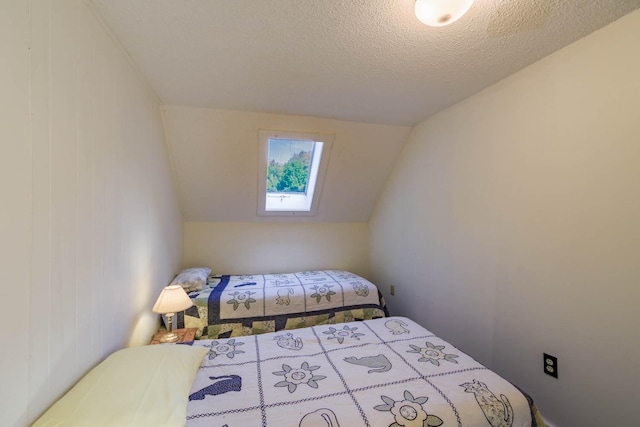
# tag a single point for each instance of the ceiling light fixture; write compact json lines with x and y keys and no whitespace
{"x":438,"y":13}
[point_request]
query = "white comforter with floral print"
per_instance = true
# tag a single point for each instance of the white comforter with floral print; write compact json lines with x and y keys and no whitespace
{"x":382,"y":372}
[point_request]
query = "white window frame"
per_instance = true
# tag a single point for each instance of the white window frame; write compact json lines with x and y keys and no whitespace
{"x":291,"y":204}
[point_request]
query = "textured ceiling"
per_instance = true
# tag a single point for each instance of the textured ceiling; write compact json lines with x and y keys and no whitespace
{"x":356,"y":60}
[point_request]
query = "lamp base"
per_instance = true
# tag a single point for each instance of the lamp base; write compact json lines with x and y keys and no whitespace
{"x":169,"y":337}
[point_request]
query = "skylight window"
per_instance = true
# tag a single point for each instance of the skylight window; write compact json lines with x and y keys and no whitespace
{"x":292,"y":166}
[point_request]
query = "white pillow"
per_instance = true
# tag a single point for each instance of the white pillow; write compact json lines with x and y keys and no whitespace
{"x":137,"y":387}
{"x":192,"y":279}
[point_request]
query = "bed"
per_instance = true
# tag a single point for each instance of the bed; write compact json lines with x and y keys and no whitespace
{"x":387,"y":372}
{"x":241,"y":305}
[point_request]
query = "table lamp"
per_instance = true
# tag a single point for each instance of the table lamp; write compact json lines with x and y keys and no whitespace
{"x":171,"y":300}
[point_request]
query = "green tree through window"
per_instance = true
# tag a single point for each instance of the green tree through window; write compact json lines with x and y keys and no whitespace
{"x":274,"y":175}
{"x":293,"y":175}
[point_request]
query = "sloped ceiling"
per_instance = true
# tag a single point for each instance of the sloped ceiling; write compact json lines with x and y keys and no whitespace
{"x":366,"y":70}
{"x":215,"y":153}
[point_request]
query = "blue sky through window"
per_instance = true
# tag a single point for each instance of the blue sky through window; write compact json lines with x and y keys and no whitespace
{"x":281,"y":150}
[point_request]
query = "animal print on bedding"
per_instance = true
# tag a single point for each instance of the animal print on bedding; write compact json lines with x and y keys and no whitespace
{"x":351,"y":375}
{"x":233,"y":306}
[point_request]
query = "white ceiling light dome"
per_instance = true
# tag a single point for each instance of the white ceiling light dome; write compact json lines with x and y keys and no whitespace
{"x":438,"y":13}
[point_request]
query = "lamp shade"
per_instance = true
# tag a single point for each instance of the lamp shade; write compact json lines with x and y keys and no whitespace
{"x":438,"y":13}
{"x":171,"y":300}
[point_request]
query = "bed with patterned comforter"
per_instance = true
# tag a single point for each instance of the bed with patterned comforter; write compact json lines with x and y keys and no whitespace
{"x":387,"y":372}
{"x":232,"y":306}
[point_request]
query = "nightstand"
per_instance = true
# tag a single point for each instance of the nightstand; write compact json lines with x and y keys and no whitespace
{"x":184,"y":335}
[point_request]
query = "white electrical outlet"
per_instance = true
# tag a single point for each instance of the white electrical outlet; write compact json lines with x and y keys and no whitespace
{"x":550,"y":365}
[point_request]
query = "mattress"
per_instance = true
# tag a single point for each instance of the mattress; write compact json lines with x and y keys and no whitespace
{"x":241,"y":305}
{"x":387,"y":372}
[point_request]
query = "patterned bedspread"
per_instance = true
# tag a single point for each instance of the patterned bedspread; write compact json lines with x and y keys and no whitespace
{"x":231,"y":306}
{"x":387,"y":372}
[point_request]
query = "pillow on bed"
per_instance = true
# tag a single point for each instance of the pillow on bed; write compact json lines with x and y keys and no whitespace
{"x":139,"y":386}
{"x":192,"y":279}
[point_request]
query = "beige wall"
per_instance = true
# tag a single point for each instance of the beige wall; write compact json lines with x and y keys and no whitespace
{"x":239,"y":248}
{"x":216,"y":157}
{"x":91,"y":228}
{"x":510,"y":227}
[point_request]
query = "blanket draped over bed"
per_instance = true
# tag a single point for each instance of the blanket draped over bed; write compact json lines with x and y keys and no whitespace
{"x":387,"y":372}
{"x":231,"y":306}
